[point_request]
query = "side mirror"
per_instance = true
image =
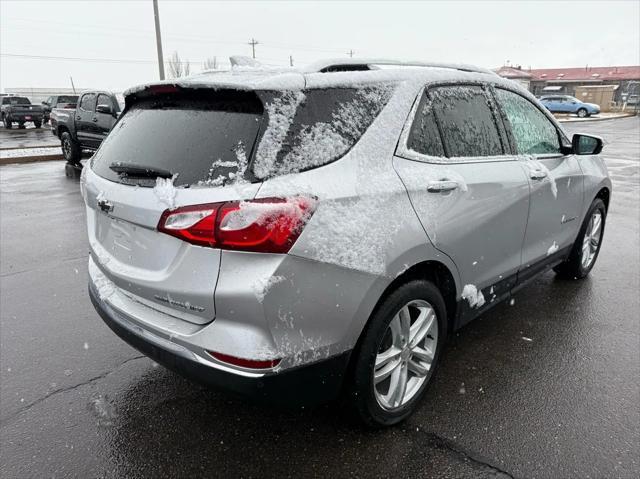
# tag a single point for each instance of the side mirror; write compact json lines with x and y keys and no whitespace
{"x":586,"y":144}
{"x":104,"y":109}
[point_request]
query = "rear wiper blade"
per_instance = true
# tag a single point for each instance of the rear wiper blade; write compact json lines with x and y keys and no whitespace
{"x":139,"y":171}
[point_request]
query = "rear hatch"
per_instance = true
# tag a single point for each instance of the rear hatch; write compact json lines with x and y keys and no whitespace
{"x":167,"y":150}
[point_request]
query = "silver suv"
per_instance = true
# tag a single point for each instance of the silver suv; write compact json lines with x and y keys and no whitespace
{"x":293,"y":235}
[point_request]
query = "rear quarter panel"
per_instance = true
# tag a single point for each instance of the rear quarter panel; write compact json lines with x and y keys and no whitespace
{"x":363,"y":234}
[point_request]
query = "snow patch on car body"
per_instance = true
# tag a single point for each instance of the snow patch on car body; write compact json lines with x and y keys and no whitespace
{"x":552,"y":249}
{"x":165,"y":191}
{"x":261,"y":287}
{"x":473,"y":295}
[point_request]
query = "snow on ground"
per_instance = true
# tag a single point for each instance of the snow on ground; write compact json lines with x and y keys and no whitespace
{"x":26,"y":152}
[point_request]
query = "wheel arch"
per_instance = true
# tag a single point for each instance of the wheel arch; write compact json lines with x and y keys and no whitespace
{"x":61,"y":130}
{"x":605,"y":195}
{"x":431,"y":270}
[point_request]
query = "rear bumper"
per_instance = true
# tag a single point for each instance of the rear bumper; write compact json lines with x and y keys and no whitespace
{"x":303,"y":386}
{"x":21,"y":116}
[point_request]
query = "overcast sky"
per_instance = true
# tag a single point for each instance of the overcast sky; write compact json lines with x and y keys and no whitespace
{"x":537,"y":34}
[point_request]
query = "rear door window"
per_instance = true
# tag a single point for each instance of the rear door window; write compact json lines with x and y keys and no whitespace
{"x":200,"y":138}
{"x":532,"y":131}
{"x":88,"y":102}
{"x":467,"y":122}
{"x":424,"y":136}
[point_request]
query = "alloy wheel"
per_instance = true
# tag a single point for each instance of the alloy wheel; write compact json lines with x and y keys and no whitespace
{"x":591,"y":241}
{"x":405,"y":355}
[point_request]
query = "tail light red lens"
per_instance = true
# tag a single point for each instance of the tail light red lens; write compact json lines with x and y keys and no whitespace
{"x":269,"y":225}
{"x":246,"y":363}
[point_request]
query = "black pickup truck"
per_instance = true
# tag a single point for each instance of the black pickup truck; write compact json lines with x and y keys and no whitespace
{"x":85,"y":127}
{"x":58,"y":101}
{"x":18,"y":109}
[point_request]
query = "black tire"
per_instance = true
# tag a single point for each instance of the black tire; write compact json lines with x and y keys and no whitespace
{"x":37,"y":124}
{"x":574,"y":267}
{"x":70,"y":149}
{"x":583,"y":113}
{"x":7,"y":123}
{"x":361,"y":387}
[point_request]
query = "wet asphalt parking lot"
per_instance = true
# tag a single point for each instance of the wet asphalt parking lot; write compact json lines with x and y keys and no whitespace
{"x":28,"y":137}
{"x":545,"y":388}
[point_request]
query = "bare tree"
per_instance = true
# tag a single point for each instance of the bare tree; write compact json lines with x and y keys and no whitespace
{"x":210,"y":63}
{"x":178,"y":67}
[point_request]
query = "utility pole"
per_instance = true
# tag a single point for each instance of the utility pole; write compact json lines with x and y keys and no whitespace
{"x":253,"y":44}
{"x":156,"y":16}
{"x":290,"y":60}
{"x":72,"y":85}
{"x":350,"y":53}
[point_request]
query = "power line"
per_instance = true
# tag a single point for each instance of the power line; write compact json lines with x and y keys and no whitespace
{"x":82,"y":59}
{"x":283,"y":61}
{"x":191,"y":37}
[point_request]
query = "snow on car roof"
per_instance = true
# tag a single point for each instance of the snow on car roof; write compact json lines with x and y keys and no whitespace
{"x":380,"y":71}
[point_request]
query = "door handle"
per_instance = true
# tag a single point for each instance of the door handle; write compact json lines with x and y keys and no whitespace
{"x":538,"y":174}
{"x":442,"y":185}
{"x":94,"y":119}
{"x":78,"y":118}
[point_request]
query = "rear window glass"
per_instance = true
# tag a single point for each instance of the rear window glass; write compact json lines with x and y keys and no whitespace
{"x":67,"y":99}
{"x":202,"y":139}
{"x":311,"y":128}
{"x":467,"y":122}
{"x":424,"y":136}
{"x":15,"y":100}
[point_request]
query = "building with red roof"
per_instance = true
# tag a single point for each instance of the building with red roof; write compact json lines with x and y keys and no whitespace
{"x":544,"y":81}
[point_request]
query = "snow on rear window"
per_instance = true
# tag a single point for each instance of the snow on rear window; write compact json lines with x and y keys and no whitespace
{"x":315,"y":127}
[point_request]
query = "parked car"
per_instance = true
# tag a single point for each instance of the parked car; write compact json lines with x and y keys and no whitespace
{"x":569,"y":104}
{"x":58,"y":101}
{"x":85,"y":127}
{"x":18,"y":109}
{"x":292,"y":237}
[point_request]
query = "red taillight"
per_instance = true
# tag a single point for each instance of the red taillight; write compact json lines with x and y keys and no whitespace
{"x":195,"y":224}
{"x":269,"y":225}
{"x":246,"y":363}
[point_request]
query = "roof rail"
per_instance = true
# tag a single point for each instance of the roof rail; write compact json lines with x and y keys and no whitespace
{"x":363,"y":64}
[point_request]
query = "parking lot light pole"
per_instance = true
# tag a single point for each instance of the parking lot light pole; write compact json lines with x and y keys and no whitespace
{"x":156,"y":16}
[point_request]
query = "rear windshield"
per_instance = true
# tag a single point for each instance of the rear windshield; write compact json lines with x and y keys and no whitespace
{"x":212,"y":139}
{"x":198,"y":138}
{"x":67,"y":99}
{"x":15,"y":100}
